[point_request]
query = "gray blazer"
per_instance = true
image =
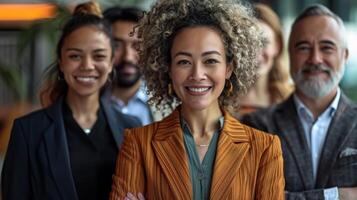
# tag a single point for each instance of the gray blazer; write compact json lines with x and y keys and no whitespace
{"x":338,"y":160}
{"x":37,"y":161}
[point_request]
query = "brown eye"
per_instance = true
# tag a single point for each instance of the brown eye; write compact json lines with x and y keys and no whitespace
{"x":74,"y":57}
{"x":118,"y":44}
{"x":183,"y":62}
{"x":211,"y":61}
{"x":100,"y":57}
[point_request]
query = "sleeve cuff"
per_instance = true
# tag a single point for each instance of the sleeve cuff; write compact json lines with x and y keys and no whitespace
{"x":331,"y":193}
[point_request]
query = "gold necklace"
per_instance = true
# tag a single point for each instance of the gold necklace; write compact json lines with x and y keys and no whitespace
{"x":202,"y":145}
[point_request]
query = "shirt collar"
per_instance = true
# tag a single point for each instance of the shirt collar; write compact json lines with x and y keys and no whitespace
{"x":302,"y":110}
{"x":140,"y":95}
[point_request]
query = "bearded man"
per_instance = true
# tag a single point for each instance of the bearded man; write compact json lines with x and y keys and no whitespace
{"x":317,"y":124}
{"x":129,"y":91}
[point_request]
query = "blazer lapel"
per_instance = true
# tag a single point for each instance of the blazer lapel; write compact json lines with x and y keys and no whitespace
{"x":115,"y":127}
{"x":232,"y":147}
{"x":170,"y":151}
{"x":338,"y":133}
{"x":58,"y":155}
{"x":293,"y":133}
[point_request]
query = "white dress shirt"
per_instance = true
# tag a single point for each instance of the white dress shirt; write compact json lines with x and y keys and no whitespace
{"x":315,"y":131}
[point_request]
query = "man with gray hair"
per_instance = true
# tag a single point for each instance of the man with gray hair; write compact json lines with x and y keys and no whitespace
{"x":317,"y":125}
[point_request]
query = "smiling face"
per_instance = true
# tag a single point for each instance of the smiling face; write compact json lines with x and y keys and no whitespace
{"x":270,"y":50}
{"x":86,"y":61}
{"x":198,"y":67}
{"x":317,"y":56}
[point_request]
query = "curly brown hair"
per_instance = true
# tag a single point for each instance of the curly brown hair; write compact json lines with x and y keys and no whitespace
{"x":159,"y":26}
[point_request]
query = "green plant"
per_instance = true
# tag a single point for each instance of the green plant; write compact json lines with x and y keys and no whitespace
{"x":14,"y":80}
{"x":12,"y":76}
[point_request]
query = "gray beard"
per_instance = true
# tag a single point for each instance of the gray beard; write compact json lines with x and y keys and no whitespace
{"x":317,"y":87}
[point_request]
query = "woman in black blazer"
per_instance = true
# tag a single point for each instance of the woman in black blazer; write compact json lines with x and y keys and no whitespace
{"x":68,"y":149}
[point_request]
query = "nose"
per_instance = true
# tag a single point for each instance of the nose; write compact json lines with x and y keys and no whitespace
{"x":130,"y":53}
{"x":198,"y":72}
{"x":87,"y":63}
{"x":315,"y":56}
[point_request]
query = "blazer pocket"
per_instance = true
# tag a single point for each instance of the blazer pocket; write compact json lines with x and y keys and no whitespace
{"x":347,"y":161}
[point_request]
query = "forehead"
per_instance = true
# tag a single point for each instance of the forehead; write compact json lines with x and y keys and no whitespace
{"x":267,"y":30}
{"x":122,"y":28}
{"x":201,"y":38}
{"x":316,"y":28}
{"x":87,"y":37}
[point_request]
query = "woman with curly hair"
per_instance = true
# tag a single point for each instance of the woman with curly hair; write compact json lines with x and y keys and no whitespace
{"x":272,"y":85}
{"x":199,"y":55}
{"x":68,"y":149}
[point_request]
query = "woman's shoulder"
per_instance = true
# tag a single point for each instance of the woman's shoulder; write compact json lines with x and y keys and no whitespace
{"x":254,"y":135}
{"x":147,"y":130}
{"x":36,"y":115}
{"x":257,"y":138}
{"x":157,"y":130}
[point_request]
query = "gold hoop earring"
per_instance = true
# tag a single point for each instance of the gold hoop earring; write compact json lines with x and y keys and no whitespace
{"x":169,"y":89}
{"x":229,"y":87}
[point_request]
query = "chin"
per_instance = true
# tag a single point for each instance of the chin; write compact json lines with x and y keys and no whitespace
{"x":196,"y":106}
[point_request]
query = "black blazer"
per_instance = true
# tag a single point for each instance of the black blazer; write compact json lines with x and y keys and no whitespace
{"x":338,"y":160}
{"x":37,"y":161}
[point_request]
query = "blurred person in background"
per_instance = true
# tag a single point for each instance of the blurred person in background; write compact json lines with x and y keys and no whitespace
{"x":201,"y":54}
{"x":272,"y":85}
{"x":317,"y":125}
{"x":68,"y":149}
{"x":129,"y":90}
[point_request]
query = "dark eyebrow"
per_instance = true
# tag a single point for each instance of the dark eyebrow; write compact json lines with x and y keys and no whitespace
{"x":116,"y":39}
{"x":182,"y":54}
{"x":328,"y":42}
{"x":301,"y":43}
{"x":203,"y":54}
{"x":79,"y":50}
{"x":100,"y":50}
{"x":73,"y":49}
{"x":211,"y":52}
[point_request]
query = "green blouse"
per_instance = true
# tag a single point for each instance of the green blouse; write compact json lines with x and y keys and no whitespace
{"x":201,"y":173}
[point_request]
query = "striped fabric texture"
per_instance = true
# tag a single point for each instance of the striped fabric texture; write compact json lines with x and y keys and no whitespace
{"x":153,"y":161}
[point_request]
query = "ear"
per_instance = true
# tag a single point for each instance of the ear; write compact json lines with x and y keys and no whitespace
{"x":229,"y":70}
{"x":346,"y":52}
{"x":169,"y":72}
{"x":111,"y":63}
{"x":60,"y":65}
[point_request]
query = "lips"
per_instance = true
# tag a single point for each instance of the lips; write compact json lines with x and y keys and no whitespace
{"x":198,"y":90}
{"x":315,"y":69}
{"x":86,"y":79}
{"x":127,"y":68}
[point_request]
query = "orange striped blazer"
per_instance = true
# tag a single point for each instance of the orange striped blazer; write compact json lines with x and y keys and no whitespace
{"x":153,"y":160}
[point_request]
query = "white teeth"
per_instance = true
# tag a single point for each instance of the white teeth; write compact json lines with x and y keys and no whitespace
{"x":86,"y":79}
{"x":198,"y":89}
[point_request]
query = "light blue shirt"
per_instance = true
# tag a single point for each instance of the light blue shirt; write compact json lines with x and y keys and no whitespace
{"x":315,"y":130}
{"x":137,"y":106}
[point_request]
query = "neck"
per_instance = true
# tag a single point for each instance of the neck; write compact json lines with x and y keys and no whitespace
{"x":258,"y":94}
{"x":84,"y":109}
{"x":126,"y":93}
{"x":317,"y":105}
{"x":202,"y":123}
